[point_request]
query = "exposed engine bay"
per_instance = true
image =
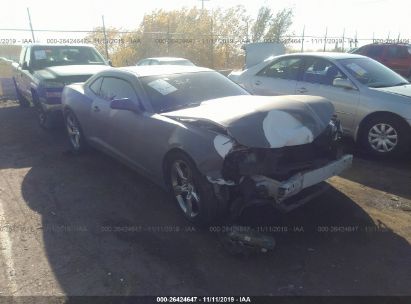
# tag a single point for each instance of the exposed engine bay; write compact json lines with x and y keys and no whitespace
{"x":284,"y":177}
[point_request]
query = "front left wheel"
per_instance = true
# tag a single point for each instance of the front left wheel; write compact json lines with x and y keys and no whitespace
{"x":193,"y":193}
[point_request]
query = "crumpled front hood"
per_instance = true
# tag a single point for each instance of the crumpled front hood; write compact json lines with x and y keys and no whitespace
{"x":404,"y":90}
{"x":265,"y":122}
{"x":69,"y":71}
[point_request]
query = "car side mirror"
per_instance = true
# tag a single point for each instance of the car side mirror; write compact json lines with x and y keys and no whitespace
{"x":110,"y":63}
{"x":125,"y":104}
{"x":344,"y":83}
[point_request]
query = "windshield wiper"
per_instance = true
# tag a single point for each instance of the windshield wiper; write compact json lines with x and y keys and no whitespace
{"x":181,"y":106}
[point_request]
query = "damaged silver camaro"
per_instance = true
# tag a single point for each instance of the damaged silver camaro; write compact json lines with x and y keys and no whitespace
{"x":217,"y":148}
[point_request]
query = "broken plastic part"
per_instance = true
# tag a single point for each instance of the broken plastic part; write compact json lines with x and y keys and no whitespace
{"x":245,"y":241}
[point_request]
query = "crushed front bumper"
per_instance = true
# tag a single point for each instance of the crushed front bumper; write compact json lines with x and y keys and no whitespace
{"x":282,"y":190}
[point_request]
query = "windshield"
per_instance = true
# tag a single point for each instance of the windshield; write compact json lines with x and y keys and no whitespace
{"x":372,"y":73}
{"x":175,"y":91}
{"x":177,"y":62}
{"x":46,"y":56}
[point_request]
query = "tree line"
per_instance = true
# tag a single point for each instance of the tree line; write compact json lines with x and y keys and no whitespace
{"x":208,"y":38}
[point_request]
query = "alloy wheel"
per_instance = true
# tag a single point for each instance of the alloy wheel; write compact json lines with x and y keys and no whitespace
{"x":73,"y":131}
{"x":184,"y":188}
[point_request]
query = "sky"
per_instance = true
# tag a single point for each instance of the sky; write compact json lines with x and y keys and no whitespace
{"x":367,"y":18}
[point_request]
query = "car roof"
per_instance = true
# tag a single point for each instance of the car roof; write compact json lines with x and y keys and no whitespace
{"x":328,"y":55}
{"x":166,"y":58}
{"x":153,"y":70}
{"x":388,"y":44}
{"x":57,"y":44}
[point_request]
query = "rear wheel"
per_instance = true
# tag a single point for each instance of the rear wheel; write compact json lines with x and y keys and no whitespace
{"x":74,"y":133}
{"x":193,"y":193}
{"x":385,"y":136}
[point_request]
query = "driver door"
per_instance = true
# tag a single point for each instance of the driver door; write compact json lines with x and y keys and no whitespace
{"x":126,"y":134}
{"x":318,"y":79}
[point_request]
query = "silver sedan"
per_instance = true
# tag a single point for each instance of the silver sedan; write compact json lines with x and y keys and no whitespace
{"x":372,"y":101}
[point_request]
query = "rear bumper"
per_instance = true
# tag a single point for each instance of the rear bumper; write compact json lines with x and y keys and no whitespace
{"x":281,"y":191}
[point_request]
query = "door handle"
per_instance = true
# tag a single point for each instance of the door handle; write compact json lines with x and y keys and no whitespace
{"x":302,"y":90}
{"x":258,"y":82}
{"x":96,"y":109}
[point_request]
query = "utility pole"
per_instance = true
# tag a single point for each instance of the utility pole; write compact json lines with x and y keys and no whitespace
{"x":325,"y":38}
{"x":343,"y":40}
{"x":31,"y":26}
{"x":202,"y":4}
{"x":247,"y":37}
{"x":105,"y":37}
{"x":302,"y":40}
{"x":212,"y":42}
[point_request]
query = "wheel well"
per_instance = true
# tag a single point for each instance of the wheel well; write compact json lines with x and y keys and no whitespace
{"x":167,"y":157}
{"x":378,"y":114}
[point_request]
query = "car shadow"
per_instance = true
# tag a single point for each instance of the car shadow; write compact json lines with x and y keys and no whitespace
{"x":108,"y":231}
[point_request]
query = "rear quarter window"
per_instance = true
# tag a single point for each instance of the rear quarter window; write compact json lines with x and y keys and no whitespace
{"x":96,"y":85}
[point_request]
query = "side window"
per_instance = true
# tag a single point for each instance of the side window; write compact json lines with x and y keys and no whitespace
{"x":115,"y":88}
{"x":362,"y":50}
{"x":375,"y":51}
{"x":321,"y":71}
{"x":403,"y":52}
{"x":395,"y":51}
{"x":96,"y":85}
{"x":286,"y":68}
{"x":144,"y":62}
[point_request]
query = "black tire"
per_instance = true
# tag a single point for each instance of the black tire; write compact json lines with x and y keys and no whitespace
{"x":207,"y":209}
{"x":23,"y":102}
{"x":396,"y":136}
{"x":75,"y":135}
{"x":45,"y":119}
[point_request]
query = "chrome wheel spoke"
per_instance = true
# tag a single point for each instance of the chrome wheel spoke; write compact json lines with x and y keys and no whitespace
{"x":178,"y":190}
{"x":390,"y":143}
{"x":189,"y":205}
{"x":180,"y":172}
{"x":376,"y":130}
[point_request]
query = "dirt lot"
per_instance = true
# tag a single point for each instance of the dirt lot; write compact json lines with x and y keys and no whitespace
{"x":61,"y":218}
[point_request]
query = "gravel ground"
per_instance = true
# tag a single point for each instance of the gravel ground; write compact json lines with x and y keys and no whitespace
{"x":63,"y":221}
